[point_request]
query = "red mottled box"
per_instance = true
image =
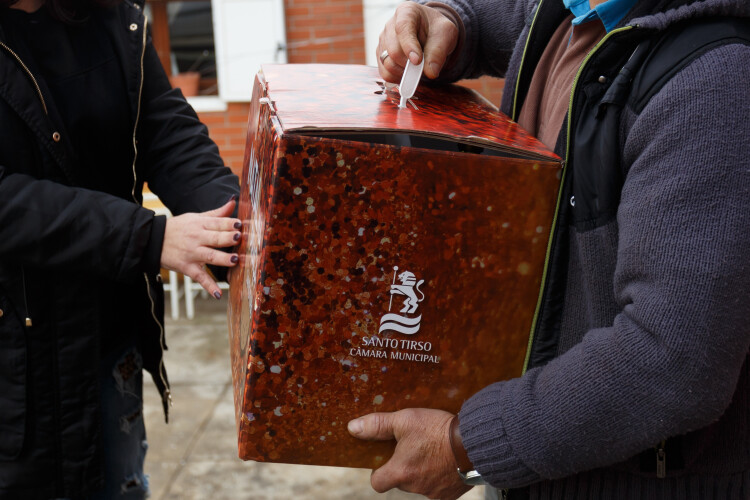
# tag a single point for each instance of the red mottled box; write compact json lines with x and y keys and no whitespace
{"x":390,"y":258}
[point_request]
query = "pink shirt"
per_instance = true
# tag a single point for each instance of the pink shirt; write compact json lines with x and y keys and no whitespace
{"x":547,"y":102}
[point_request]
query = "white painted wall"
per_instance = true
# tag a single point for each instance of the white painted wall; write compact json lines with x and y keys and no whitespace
{"x":247,"y":33}
{"x":376,"y":13}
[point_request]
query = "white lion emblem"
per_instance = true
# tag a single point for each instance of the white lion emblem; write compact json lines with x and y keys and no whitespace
{"x":407,"y":287}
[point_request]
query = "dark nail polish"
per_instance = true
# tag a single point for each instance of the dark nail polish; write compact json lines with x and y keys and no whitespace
{"x":217,"y":295}
{"x":238,"y":225}
{"x":234,"y":259}
{"x":237,"y":236}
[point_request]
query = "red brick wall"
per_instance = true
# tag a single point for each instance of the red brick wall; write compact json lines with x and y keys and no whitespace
{"x":325,"y":31}
{"x":318,"y":31}
{"x":228,"y":129}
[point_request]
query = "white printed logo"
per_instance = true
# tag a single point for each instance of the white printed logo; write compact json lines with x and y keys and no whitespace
{"x":408,"y":287}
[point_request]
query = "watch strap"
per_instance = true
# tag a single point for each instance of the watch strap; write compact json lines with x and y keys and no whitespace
{"x":457,"y":445}
{"x":465,"y":468}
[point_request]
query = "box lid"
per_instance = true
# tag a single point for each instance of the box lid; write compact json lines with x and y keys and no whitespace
{"x":339,"y":97}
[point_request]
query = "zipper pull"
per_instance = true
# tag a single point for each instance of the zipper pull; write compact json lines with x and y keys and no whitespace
{"x":166,"y":401}
{"x":661,"y":461}
{"x":25,"y":301}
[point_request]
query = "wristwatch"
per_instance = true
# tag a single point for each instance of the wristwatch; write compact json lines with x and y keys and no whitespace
{"x":472,"y":478}
{"x":465,"y":469}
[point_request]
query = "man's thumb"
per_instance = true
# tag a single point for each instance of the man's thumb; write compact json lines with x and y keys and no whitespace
{"x":373,"y":427}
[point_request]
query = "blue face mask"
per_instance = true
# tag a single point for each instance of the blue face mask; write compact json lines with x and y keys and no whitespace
{"x":610,"y":12}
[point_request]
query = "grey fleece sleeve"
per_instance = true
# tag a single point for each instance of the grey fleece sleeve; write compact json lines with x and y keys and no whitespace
{"x":670,"y":361}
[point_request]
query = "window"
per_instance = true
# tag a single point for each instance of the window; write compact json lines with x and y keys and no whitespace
{"x":183,"y":38}
{"x":220,"y":44}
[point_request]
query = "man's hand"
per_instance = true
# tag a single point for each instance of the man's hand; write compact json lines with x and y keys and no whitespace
{"x":191,"y":241}
{"x":423,"y":461}
{"x":412,"y":27}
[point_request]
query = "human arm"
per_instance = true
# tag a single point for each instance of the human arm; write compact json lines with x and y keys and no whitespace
{"x":182,"y":166}
{"x":176,"y":156}
{"x":416,"y":30}
{"x":423,"y":461}
{"x":192,"y":240}
{"x":449,"y":32}
{"x":48,"y":223}
{"x":52,"y":225}
{"x":669,"y":362}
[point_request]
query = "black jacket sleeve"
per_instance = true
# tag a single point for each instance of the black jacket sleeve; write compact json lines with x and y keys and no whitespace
{"x":50,"y":225}
{"x":176,"y":156}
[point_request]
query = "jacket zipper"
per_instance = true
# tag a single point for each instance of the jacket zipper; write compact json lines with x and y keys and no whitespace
{"x":59,"y":483}
{"x":553,"y":231}
{"x":167,"y":394}
{"x":514,"y":116}
{"x":514,"y":113}
{"x":25,"y":300}
{"x":138,"y":110}
{"x":30,"y":75}
{"x":660,"y":453}
{"x":661,"y":460}
{"x":28,"y":72}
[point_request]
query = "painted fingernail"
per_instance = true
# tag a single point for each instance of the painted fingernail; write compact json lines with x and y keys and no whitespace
{"x":237,"y":236}
{"x":238,"y":225}
{"x":217,"y":295}
{"x":234,"y":259}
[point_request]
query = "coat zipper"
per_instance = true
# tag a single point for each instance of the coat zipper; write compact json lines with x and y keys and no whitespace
{"x":138,"y":110}
{"x":28,"y":72}
{"x":514,"y":113}
{"x":661,"y":460}
{"x":553,"y":231}
{"x":59,"y":482}
{"x":514,"y":116}
{"x":25,"y":300}
{"x":30,"y":75}
{"x":167,"y":394}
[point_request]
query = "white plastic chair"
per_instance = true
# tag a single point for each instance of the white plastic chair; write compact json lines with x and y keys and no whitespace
{"x":192,"y":289}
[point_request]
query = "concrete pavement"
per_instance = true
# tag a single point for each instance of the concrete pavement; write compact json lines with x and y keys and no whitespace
{"x":195,"y":456}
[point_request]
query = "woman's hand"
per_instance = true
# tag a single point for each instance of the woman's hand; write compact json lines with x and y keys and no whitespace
{"x":191,"y":241}
{"x":412,"y":27}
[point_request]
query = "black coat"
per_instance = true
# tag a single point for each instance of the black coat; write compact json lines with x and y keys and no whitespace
{"x":64,"y":249}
